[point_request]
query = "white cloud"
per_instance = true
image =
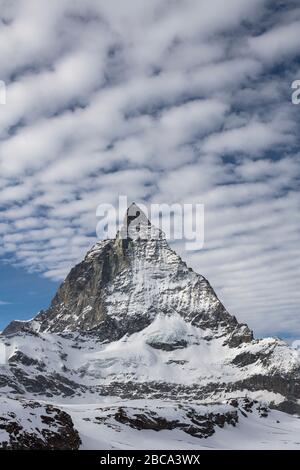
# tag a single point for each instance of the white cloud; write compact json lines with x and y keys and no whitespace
{"x":278,"y":43}
{"x":252,"y":138}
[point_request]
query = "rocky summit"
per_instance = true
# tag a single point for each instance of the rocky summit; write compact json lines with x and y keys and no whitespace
{"x":134,"y":338}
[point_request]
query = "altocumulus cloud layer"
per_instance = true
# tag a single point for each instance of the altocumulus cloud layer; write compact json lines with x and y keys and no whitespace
{"x":165,"y":101}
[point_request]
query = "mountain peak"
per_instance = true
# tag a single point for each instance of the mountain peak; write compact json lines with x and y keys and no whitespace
{"x":136,"y":225}
{"x":124,"y":283}
{"x":133,"y":212}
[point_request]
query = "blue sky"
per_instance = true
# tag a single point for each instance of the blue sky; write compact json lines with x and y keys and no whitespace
{"x":165,"y":101}
{"x":24,"y":294}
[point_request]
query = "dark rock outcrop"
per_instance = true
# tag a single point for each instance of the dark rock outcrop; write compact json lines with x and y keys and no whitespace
{"x":37,"y":426}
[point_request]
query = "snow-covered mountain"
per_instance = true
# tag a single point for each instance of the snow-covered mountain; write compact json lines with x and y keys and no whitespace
{"x":145,"y":341}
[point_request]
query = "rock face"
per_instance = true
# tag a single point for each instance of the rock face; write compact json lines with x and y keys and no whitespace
{"x":133,"y":321}
{"x":194,"y":420}
{"x":30,"y":425}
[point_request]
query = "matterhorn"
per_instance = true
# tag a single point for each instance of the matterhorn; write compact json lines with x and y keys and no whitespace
{"x":137,"y":351}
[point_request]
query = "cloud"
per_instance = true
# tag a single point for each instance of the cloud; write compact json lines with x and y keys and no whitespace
{"x":253,"y":138}
{"x":277,"y":44}
{"x":164,"y":102}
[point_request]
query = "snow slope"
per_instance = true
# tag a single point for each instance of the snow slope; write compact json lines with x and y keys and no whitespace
{"x":252,"y":431}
